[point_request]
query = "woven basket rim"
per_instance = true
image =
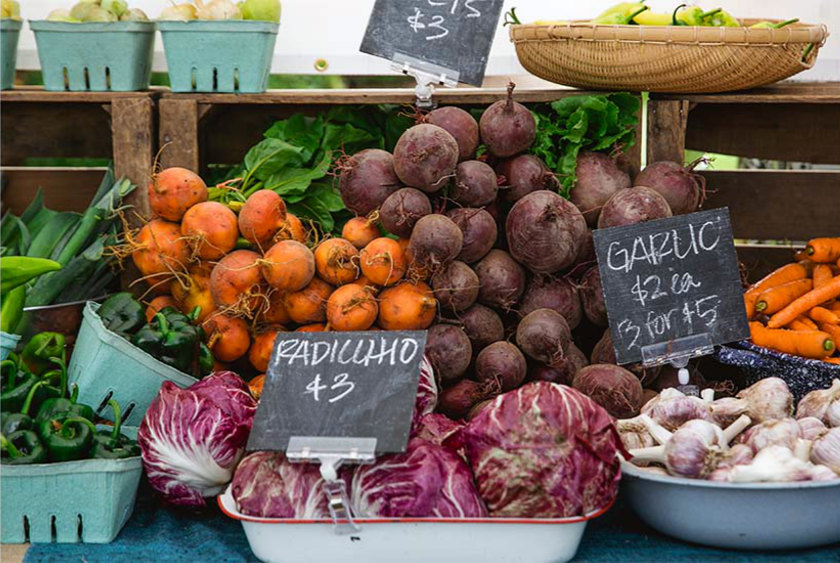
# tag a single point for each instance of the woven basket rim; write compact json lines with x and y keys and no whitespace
{"x":803,"y":33}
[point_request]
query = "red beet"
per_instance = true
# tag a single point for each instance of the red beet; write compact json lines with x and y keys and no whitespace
{"x":544,"y":335}
{"x":367,"y":178}
{"x":524,"y":174}
{"x":587,"y":249}
{"x":449,"y":351}
{"x":456,"y":401}
{"x":435,"y":240}
{"x":425,"y":157}
{"x":562,"y":372}
{"x":482,"y":325}
{"x":612,"y":387}
{"x":545,"y":232}
{"x":507,"y":127}
{"x":479,"y":229}
{"x":455,"y":286}
{"x":559,"y":294}
{"x":592,"y":297}
{"x":501,"y":280}
{"x":461,"y":125}
{"x":402,"y":209}
{"x":475,"y":184}
{"x":604,"y":353}
{"x":633,"y":205}
{"x":681,"y":187}
{"x":598,"y":178}
{"x":502,"y":362}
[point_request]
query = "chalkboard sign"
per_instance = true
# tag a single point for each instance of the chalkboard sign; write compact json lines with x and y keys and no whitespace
{"x":671,"y":279}
{"x":455,"y":35}
{"x":340,"y":384}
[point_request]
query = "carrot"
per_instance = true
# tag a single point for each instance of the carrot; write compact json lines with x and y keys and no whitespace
{"x":799,"y":323}
{"x":822,"y":275}
{"x":800,"y":255}
{"x":834,"y":307}
{"x":823,"y":315}
{"x":808,"y":344}
{"x":785,"y":274}
{"x":835,"y":361}
{"x":832,"y":330}
{"x":808,"y":301}
{"x":824,"y":250}
{"x":777,"y":298}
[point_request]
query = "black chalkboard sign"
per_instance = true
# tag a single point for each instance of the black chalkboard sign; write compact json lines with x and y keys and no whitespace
{"x":671,"y":279}
{"x":450,"y":34}
{"x":342,"y":385}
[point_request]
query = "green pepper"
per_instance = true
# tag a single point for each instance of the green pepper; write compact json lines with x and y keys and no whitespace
{"x":123,"y":314}
{"x":66,"y":436}
{"x":173,"y":339}
{"x":63,"y":403}
{"x":720,"y":18}
{"x":773,"y":25}
{"x":21,"y":448}
{"x":41,"y":349}
{"x":11,"y":310}
{"x":111,"y":444}
{"x":13,"y":421}
{"x":621,"y":17}
{"x":16,"y":383}
{"x":205,"y":360}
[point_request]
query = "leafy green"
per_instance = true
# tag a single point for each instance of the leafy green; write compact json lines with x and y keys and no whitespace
{"x":594,"y":123}
{"x":295,"y":156}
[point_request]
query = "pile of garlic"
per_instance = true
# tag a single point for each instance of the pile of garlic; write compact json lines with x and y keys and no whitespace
{"x":749,"y":438}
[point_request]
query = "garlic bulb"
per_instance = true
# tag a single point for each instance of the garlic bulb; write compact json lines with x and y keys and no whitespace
{"x":726,"y":410}
{"x":825,"y":450}
{"x":739,"y":454}
{"x":655,"y":469}
{"x":818,"y":403}
{"x":768,"y":399}
{"x":823,"y":473}
{"x":784,"y":432}
{"x":692,"y":451}
{"x":634,"y":433}
{"x":672,"y":409}
{"x":772,"y":464}
{"x":811,"y":427}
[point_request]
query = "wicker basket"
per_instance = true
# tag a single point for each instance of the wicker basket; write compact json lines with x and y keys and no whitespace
{"x":668,"y":58}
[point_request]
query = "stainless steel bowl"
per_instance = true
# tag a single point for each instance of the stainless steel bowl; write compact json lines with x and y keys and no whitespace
{"x":736,"y":515}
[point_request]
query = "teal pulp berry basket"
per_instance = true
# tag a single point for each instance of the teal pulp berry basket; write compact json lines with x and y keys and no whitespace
{"x":218,"y":56}
{"x":85,"y":501}
{"x":9,"y":34}
{"x":8,"y":342}
{"x":98,"y":57}
{"x":107,"y":366}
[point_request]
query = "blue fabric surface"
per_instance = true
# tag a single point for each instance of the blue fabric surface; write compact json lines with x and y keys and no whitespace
{"x":156,"y":533}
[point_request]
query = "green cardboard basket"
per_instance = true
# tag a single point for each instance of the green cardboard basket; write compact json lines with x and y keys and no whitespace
{"x":107,"y":366}
{"x":8,"y":342}
{"x":9,"y":34}
{"x":96,"y":57}
{"x":218,"y":56}
{"x":85,"y":501}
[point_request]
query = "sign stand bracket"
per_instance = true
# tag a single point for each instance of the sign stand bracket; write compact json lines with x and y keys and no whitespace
{"x":427,"y":77}
{"x":332,"y":453}
{"x":678,"y":352}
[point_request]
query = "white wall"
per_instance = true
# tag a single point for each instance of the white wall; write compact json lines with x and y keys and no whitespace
{"x":333,"y":29}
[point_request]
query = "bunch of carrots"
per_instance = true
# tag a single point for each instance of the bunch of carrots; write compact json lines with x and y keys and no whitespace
{"x":796,"y":308}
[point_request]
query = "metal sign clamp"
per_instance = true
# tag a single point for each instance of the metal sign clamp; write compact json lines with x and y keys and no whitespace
{"x":427,"y":76}
{"x":332,"y":453}
{"x":678,"y":352}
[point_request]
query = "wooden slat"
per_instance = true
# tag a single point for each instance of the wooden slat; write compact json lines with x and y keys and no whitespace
{"x":178,"y":133}
{"x":39,"y":95}
{"x":666,"y":130}
{"x":760,"y":260}
{"x":65,"y":189}
{"x":786,"y":131}
{"x":380,"y":96}
{"x":777,"y":205}
{"x":782,"y":93}
{"x":134,"y":139}
{"x":67,"y":130}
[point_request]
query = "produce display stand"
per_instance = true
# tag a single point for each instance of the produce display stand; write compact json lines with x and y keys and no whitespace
{"x":201,"y":129}
{"x":84,"y":125}
{"x":798,"y":122}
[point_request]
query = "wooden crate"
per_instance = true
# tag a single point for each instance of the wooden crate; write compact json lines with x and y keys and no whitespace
{"x":88,"y":125}
{"x":789,"y":122}
{"x":199,"y":129}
